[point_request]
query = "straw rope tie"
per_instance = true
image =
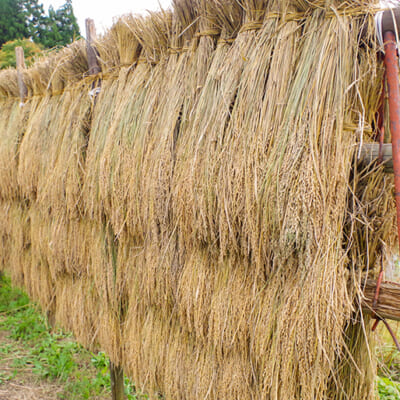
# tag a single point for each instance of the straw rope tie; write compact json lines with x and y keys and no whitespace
{"x":85,"y":81}
{"x":143,"y":60}
{"x":296,"y":16}
{"x":251,"y":26}
{"x":177,"y":50}
{"x":287,"y":17}
{"x":352,"y":12}
{"x":109,"y":75}
{"x":226,"y":41}
{"x":211,"y":32}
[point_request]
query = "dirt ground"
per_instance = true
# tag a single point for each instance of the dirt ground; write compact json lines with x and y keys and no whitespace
{"x":27,"y":391}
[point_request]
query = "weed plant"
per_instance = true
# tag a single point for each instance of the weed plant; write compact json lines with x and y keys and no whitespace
{"x":388,"y":389}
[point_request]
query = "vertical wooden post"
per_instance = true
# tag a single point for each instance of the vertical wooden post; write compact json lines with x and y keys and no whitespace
{"x":23,"y":91}
{"x":117,"y":382}
{"x":94,"y":67}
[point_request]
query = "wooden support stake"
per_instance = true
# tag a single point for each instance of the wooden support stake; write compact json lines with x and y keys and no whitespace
{"x":117,"y":382}
{"x":94,"y":66}
{"x":370,"y":153}
{"x":23,"y":91}
{"x":388,"y":305}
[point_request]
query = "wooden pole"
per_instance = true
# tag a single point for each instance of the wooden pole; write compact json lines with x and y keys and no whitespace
{"x":23,"y":91}
{"x":370,"y":154}
{"x":117,"y":382}
{"x":388,"y":305}
{"x":94,"y":66}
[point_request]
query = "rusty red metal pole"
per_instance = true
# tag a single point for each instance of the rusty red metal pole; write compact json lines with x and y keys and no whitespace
{"x":392,"y":74}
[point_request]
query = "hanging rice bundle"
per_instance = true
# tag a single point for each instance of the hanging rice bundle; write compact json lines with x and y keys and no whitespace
{"x":71,"y":63}
{"x":108,"y":52}
{"x":119,"y":46}
{"x":158,"y":152}
{"x":34,"y":157}
{"x":104,"y":152}
{"x":15,"y":239}
{"x":11,"y":122}
{"x":5,"y":239}
{"x":9,"y":83}
{"x":62,"y":180}
{"x":119,"y":137}
{"x":78,"y":308}
{"x":102,"y":119}
{"x":110,"y":105}
{"x":208,"y":121}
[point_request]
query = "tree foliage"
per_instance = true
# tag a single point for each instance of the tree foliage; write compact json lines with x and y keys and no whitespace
{"x":13,"y":20}
{"x":7,"y":53}
{"x":26,"y":19}
{"x":62,"y":27}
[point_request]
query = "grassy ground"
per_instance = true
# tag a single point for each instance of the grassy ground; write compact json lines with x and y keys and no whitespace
{"x":389,"y":363}
{"x":39,"y":363}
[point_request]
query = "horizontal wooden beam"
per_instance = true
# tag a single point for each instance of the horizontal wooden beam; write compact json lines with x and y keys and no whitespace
{"x":388,"y":305}
{"x":370,"y":154}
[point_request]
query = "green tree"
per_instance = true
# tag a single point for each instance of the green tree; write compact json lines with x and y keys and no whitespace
{"x":7,"y":52}
{"x":13,"y":20}
{"x":36,"y":19}
{"x":26,"y":19}
{"x":62,"y":27}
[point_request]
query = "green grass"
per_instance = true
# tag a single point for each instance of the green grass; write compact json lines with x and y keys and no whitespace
{"x":388,"y":382}
{"x":388,"y":389}
{"x":50,"y":355}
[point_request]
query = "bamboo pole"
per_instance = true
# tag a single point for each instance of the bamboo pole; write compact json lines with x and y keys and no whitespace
{"x":23,"y":91}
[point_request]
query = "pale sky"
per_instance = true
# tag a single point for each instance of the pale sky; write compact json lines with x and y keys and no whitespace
{"x":103,"y":11}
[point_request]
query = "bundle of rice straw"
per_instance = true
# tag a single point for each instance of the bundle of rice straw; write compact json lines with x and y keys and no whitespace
{"x":204,"y":219}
